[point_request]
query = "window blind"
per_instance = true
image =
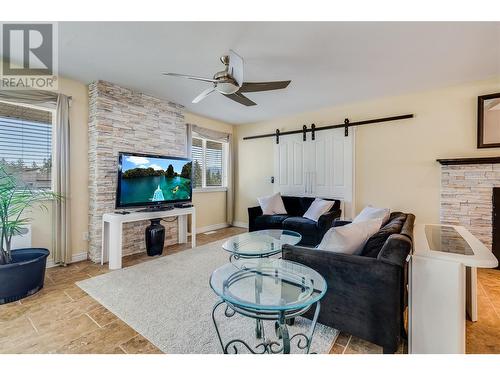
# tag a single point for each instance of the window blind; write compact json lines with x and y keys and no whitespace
{"x":213,"y":160}
{"x":26,"y":144}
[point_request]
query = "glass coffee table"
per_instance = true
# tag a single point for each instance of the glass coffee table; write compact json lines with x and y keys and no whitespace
{"x":260,"y":244}
{"x":268,"y":289}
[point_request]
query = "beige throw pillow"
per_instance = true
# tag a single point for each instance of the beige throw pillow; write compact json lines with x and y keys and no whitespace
{"x":317,"y":208}
{"x":272,"y":205}
{"x":350,"y":238}
{"x":370,"y":213}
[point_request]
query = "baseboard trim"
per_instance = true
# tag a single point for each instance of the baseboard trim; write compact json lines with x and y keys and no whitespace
{"x":240,"y":224}
{"x":75,"y":258}
{"x":208,"y":228}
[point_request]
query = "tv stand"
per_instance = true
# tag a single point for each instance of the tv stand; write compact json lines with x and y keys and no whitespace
{"x":156,"y":209}
{"x":112,"y":226}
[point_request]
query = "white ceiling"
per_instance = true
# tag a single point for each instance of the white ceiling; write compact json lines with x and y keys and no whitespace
{"x":329,"y":63}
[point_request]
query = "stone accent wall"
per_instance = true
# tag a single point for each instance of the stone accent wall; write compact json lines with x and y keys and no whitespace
{"x":121,"y":120}
{"x":466,"y":197}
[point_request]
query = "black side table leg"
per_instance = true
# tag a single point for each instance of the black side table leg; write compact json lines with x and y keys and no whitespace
{"x":283,"y":334}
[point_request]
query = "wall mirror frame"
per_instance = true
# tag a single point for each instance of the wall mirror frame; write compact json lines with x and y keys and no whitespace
{"x":488,"y":121}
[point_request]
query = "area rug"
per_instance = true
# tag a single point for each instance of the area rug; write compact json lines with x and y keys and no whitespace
{"x":168,"y":300}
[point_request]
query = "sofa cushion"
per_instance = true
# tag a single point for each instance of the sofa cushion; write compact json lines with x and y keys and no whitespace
{"x":305,"y":203}
{"x":297,"y":206}
{"x":375,"y":242}
{"x":270,"y":221}
{"x":293,"y":205}
{"x":300,"y":224}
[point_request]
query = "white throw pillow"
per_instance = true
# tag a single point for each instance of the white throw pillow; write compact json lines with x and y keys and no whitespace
{"x":370,"y":213}
{"x":350,"y":238}
{"x":317,"y":208}
{"x":272,"y":205}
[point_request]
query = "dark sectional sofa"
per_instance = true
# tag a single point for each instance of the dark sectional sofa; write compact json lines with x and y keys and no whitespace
{"x":311,"y":232}
{"x":366,"y":294}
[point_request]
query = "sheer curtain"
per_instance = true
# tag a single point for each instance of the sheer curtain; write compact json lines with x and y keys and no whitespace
{"x":223,"y":137}
{"x":61,"y":170}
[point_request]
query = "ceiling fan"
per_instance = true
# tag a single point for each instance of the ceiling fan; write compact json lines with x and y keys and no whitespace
{"x":229,"y":82}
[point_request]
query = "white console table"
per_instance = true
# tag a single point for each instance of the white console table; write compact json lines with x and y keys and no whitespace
{"x":112,"y":226}
{"x":443,"y":283}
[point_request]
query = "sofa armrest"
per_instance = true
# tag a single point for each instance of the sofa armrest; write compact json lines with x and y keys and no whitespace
{"x":340,"y":223}
{"x":327,"y":220}
{"x":346,"y":275}
{"x":395,"y":250}
{"x":362,"y":293}
{"x":321,"y":260}
{"x":253,"y":213}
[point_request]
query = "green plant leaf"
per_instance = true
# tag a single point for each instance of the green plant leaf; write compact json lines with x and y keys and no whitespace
{"x":15,"y":198}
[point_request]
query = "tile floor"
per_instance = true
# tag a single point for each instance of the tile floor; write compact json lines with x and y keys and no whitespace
{"x":63,"y":319}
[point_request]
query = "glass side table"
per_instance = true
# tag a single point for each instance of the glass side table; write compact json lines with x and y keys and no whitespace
{"x":268,"y":289}
{"x":260,"y":244}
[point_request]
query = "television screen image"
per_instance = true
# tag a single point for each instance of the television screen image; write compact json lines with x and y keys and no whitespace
{"x":147,"y":180}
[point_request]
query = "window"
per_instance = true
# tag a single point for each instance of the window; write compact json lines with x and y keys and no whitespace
{"x":209,"y":160}
{"x":26,"y":144}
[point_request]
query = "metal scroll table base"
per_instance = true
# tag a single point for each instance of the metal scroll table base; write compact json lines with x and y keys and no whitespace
{"x":267,"y":346}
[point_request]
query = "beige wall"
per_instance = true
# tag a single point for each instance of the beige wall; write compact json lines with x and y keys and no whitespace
{"x":208,"y":123}
{"x":210,"y":206}
{"x":210,"y":209}
{"x":42,"y":224}
{"x":395,"y":162}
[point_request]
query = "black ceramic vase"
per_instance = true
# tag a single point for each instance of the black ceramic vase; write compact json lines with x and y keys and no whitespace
{"x":155,"y":237}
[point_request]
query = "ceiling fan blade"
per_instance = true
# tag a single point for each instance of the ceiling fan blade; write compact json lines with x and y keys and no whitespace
{"x":263,"y":86}
{"x":236,"y":67}
{"x":240,"y":98}
{"x":203,"y":95}
{"x":191,"y":77}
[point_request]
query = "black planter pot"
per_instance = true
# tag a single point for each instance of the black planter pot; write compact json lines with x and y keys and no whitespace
{"x":155,"y":238}
{"x":24,"y":276}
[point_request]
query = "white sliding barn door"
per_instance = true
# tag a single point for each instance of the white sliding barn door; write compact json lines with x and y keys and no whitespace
{"x":289,"y":165}
{"x":343,"y":164}
{"x":319,"y":168}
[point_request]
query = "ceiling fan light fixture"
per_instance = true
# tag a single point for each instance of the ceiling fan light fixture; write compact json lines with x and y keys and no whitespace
{"x":227,"y":88}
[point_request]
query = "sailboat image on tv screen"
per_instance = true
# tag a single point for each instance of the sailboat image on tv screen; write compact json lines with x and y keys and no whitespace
{"x":158,"y":195}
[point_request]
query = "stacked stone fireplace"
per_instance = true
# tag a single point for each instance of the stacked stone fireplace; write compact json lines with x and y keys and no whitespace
{"x":121,"y":120}
{"x":466,"y":197}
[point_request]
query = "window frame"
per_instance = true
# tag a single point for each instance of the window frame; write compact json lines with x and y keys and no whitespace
{"x":52,"y":141}
{"x":204,"y":188}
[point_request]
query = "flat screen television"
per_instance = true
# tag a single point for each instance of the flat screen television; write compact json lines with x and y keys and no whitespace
{"x":146,"y":180}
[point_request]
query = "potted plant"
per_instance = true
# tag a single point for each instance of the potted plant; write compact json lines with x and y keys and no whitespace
{"x":22,"y":271}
